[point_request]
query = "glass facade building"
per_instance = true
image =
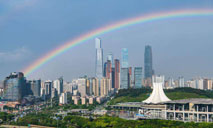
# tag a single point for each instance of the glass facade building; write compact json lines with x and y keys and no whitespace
{"x":124,"y":78}
{"x":148,"y":62}
{"x":138,"y":77}
{"x":99,"y":59}
{"x":35,"y":87}
{"x":14,"y":87}
{"x":110,"y":58}
{"x":124,"y":55}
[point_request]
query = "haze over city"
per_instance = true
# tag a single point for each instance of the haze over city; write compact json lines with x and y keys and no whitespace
{"x":30,"y":29}
{"x":106,"y":63}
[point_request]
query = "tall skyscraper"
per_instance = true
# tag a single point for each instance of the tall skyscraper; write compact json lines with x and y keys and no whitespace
{"x":148,"y":62}
{"x":124,"y":60}
{"x":109,"y":70}
{"x":99,"y":59}
{"x":117,"y":74}
{"x":138,"y":77}
{"x":110,"y":58}
{"x":130,"y":83}
{"x":124,"y":84}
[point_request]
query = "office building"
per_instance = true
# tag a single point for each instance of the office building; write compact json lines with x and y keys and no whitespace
{"x":138,"y":77}
{"x":130,"y":82}
{"x":117,"y":74}
{"x":148,"y":71}
{"x":110,"y":58}
{"x":14,"y":87}
{"x":35,"y":87}
{"x":58,"y":85}
{"x":48,"y":88}
{"x":63,"y":98}
{"x":99,"y":59}
{"x":124,"y":78}
{"x":124,"y":56}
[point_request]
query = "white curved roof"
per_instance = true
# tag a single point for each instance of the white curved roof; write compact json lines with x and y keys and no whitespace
{"x":158,"y":94}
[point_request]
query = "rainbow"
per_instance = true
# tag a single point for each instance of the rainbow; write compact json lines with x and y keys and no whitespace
{"x":116,"y":26}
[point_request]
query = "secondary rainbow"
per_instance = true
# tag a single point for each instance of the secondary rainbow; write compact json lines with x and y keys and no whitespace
{"x":118,"y":25}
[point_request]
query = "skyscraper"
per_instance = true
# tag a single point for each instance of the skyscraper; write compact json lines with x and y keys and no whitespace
{"x":117,"y":74}
{"x":124,"y":55}
{"x":48,"y":88}
{"x":124,"y":78}
{"x":148,"y":62}
{"x":138,"y":77}
{"x":35,"y":86}
{"x":124,"y":69}
{"x":58,"y":85}
{"x":110,"y":58}
{"x":99,"y":59}
{"x":109,"y":70}
{"x":181,"y":82}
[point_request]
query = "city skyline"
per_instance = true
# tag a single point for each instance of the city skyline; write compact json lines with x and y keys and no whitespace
{"x":167,"y":38}
{"x":106,"y":63}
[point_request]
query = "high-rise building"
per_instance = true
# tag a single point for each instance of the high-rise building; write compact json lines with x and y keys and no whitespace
{"x":35,"y":86}
{"x":96,"y":88}
{"x":15,"y":87}
{"x":181,"y":82}
{"x":171,"y":83}
{"x":124,"y":60}
{"x":105,"y":84}
{"x":130,"y":82}
{"x":110,"y":58}
{"x":109,"y":70}
{"x":138,"y":77}
{"x":124,"y":78}
{"x":99,"y":59}
{"x":105,"y":69}
{"x":199,"y":83}
{"x":117,"y":74}
{"x":207,"y":84}
{"x":82,"y":86}
{"x":58,"y":85}
{"x":48,"y":88}
{"x":63,"y":98}
{"x":148,"y":71}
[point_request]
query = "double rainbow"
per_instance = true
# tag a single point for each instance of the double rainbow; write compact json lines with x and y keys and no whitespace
{"x":118,"y":25}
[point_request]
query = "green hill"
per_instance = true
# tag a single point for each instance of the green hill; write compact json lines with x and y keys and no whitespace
{"x":138,"y":95}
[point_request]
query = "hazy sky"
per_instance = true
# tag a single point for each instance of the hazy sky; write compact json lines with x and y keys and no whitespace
{"x":31,"y":28}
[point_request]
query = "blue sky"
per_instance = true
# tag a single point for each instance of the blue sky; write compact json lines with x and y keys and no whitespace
{"x":31,"y":28}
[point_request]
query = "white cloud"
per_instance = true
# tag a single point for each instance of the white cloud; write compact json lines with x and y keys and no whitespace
{"x":15,"y":55}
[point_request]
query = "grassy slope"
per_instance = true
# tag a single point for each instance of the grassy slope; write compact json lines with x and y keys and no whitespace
{"x":138,"y":95}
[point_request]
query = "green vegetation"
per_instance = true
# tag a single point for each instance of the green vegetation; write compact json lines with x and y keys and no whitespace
{"x":5,"y":116}
{"x":138,"y":95}
{"x":105,"y":121}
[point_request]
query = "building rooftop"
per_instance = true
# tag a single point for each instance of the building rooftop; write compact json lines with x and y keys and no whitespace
{"x":192,"y":100}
